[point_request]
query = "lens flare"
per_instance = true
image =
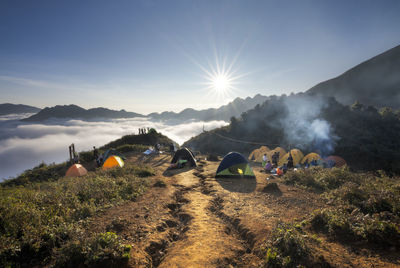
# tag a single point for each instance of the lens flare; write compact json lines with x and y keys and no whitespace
{"x":220,"y":82}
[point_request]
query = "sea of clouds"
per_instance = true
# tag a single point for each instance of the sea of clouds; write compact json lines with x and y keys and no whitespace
{"x":25,"y":145}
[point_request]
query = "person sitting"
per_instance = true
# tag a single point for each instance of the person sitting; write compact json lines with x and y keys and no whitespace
{"x":268,"y":167}
{"x":306,"y":164}
{"x":284,"y":168}
{"x":314,"y":163}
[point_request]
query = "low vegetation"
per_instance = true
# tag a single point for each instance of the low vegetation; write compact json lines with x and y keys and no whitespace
{"x":288,"y":247}
{"x":362,"y":209}
{"x":40,"y":173}
{"x":43,"y":223}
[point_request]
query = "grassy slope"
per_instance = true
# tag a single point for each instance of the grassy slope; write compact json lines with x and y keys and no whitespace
{"x":43,"y":223}
{"x":43,"y":214}
{"x":363,"y":211}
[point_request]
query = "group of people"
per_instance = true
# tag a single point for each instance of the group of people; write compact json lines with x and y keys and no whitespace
{"x":143,"y":130}
{"x":272,"y":166}
{"x":97,"y":157}
{"x":73,"y":155}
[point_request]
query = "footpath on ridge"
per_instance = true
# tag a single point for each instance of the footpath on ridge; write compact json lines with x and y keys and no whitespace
{"x":195,"y":220}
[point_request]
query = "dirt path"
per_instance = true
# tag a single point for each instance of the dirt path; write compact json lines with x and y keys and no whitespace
{"x":198,"y":221}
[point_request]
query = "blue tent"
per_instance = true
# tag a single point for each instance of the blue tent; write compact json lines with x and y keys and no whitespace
{"x":234,"y":165}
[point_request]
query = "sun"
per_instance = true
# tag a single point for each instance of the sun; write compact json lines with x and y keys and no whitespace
{"x":221,"y":82}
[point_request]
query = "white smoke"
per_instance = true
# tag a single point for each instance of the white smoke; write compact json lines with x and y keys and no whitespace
{"x":303,"y":126}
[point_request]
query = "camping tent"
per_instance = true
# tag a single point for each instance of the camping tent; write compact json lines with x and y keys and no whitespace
{"x":234,"y":165}
{"x":310,"y":157}
{"x":113,"y":161}
{"x":112,"y":152}
{"x":76,"y":170}
{"x":184,"y":154}
{"x":258,"y":153}
{"x":296,"y":154}
{"x":335,"y":161}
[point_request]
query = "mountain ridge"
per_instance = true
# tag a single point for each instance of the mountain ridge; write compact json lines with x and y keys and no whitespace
{"x":225,"y":112}
{"x":374,"y":82}
{"x":74,"y":112}
{"x":10,"y":108}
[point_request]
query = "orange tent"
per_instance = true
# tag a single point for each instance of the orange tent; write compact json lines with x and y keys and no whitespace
{"x":76,"y":170}
{"x":113,"y":161}
{"x":338,"y":161}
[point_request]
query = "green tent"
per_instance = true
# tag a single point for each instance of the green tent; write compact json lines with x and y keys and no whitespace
{"x":234,"y":165}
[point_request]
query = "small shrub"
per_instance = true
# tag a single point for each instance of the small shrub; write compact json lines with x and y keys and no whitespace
{"x":287,"y":248}
{"x":319,"y":179}
{"x":102,"y":249}
{"x":212,"y":157}
{"x":160,"y":184}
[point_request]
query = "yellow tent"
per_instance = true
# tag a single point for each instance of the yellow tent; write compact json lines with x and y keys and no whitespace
{"x":113,"y":161}
{"x":76,"y":170}
{"x":310,"y":157}
{"x":296,"y":154}
{"x":258,"y":153}
{"x":253,"y":154}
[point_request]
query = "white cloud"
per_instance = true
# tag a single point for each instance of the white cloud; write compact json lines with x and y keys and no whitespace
{"x":26,"y":145}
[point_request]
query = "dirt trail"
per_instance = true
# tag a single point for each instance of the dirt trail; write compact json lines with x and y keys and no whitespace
{"x":199,"y":221}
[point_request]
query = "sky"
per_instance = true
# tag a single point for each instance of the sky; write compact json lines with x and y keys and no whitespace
{"x":152,"y":56}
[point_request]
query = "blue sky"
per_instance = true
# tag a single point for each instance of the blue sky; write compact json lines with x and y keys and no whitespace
{"x":146,"y":56}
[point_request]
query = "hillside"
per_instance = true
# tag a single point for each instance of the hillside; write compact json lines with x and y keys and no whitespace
{"x":143,"y":215}
{"x":76,"y":112}
{"x":9,"y":108}
{"x":225,"y":112}
{"x":374,"y":82}
{"x":365,"y":137}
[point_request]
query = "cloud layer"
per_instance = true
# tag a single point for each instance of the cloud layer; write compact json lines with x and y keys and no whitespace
{"x":24,"y":146}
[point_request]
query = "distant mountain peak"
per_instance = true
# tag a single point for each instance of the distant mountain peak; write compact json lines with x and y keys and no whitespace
{"x":9,"y":108}
{"x":76,"y":112}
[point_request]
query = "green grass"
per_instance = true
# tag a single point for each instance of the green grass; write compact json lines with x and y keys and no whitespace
{"x":363,"y":207}
{"x":320,"y":180}
{"x":288,"y":247}
{"x":40,"y":222}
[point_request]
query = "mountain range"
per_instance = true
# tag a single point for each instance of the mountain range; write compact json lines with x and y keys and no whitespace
{"x":9,"y":108}
{"x":225,"y":112}
{"x":74,"y":111}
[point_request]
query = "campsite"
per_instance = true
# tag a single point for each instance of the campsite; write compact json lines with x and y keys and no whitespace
{"x":219,"y":211}
{"x":187,"y":133}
